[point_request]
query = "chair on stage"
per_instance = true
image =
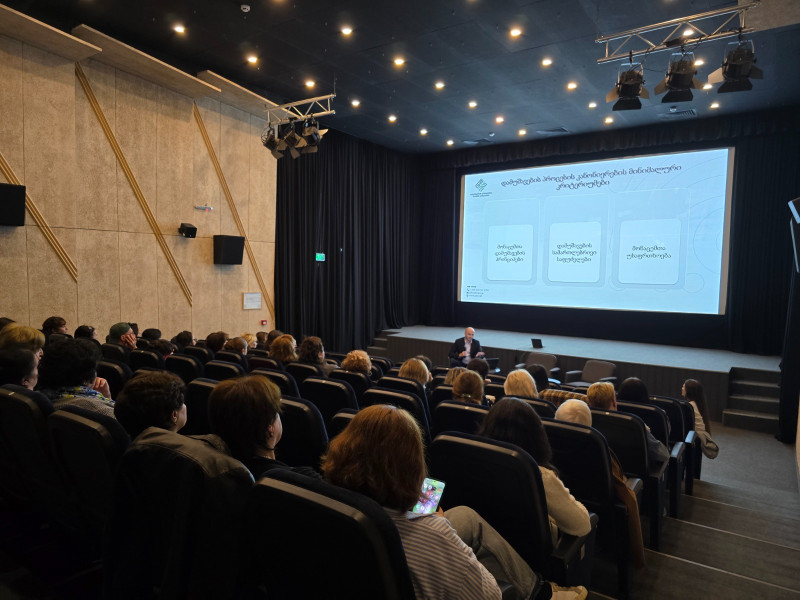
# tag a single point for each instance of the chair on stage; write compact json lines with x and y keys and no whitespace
{"x":548,"y":361}
{"x":593,"y":371}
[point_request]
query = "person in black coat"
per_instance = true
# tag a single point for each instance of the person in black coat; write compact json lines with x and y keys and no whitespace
{"x":465,"y":349}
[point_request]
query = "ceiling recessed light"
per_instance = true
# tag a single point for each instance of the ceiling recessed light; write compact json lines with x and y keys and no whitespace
{"x":688,"y":32}
{"x":310,"y":83}
{"x":515,"y":32}
{"x":707,"y":86}
{"x":450,"y":142}
{"x":346,"y":30}
{"x":714,"y":105}
{"x":572,"y":85}
{"x":423,"y":131}
{"x":609,"y":120}
{"x":355,"y":102}
{"x":699,"y":62}
{"x":439,"y":85}
{"x":392,"y":118}
{"x":592,"y":104}
{"x":546,"y":62}
{"x":179,"y":28}
{"x":472,"y":104}
{"x":522,"y":132}
{"x":252,"y":59}
{"x":499,"y":119}
{"x":399,"y":61}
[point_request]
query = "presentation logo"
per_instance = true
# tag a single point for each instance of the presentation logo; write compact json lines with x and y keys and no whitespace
{"x":481,"y":185}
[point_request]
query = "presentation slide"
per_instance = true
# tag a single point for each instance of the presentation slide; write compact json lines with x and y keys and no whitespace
{"x":644,"y":233}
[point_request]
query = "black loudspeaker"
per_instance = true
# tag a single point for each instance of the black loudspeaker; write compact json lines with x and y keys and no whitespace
{"x":187,"y":230}
{"x":228,"y":249}
{"x":12,"y":205}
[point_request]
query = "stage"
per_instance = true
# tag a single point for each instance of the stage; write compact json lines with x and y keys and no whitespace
{"x":662,"y":368}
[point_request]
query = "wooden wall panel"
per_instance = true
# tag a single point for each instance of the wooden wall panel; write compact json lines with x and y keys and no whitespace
{"x":51,"y":289}
{"x":14,"y":268}
{"x":233,"y":153}
{"x":204,"y":279}
{"x":265,"y":256}
{"x":98,"y":263}
{"x":138,"y":280}
{"x":263,"y":177}
{"x":175,"y":165}
{"x":11,"y":105}
{"x":174,"y":312}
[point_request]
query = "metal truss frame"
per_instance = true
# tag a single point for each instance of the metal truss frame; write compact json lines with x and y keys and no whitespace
{"x":300,"y":110}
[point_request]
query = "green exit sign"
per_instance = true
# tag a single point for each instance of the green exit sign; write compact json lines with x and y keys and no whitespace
{"x":320,"y":257}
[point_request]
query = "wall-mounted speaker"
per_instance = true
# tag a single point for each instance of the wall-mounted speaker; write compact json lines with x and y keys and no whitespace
{"x":187,"y":230}
{"x":12,"y":205}
{"x":228,"y":249}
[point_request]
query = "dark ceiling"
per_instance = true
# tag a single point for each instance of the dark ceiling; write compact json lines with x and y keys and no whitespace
{"x":464,"y":43}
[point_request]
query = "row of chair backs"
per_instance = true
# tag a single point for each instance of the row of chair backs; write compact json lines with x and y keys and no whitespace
{"x":410,"y":402}
{"x":116,"y":373}
{"x":305,"y":437}
{"x":329,"y":396}
{"x":360,"y":382}
{"x":285,"y":381}
{"x":463,"y":417}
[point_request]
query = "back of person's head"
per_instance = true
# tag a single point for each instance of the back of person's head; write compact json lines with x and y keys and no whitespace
{"x":237,"y":345}
{"x":163,"y":347}
{"x":311,"y":350}
{"x":480,"y":366}
{"x":540,"y":376}
{"x":19,"y":367}
{"x":358,"y":361}
{"x":151,"y":334}
{"x":272,"y":336}
{"x":135,"y":328}
{"x":693,"y":392}
{"x":520,"y":383}
{"x":215,"y":341}
{"x":515,"y":421}
{"x":117,"y":331}
{"x":379,"y":454}
{"x":53,"y":325}
{"x":184,"y":339}
{"x":69,"y":363}
{"x":575,"y":411}
{"x":468,"y":387}
{"x":452,"y":375}
{"x":283,"y":348}
{"x":15,"y":336}
{"x":151,"y":399}
{"x":261,"y":337}
{"x":86,"y":331}
{"x":241,"y":411}
{"x":601,"y":395}
{"x":5,"y":321}
{"x":633,"y":389}
{"x":249,"y":339}
{"x":415,"y":369}
{"x":428,"y":362}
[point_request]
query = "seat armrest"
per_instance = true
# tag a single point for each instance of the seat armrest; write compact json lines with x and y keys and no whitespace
{"x":508,"y":591}
{"x":611,"y":380}
{"x":572,"y":376}
{"x":678,"y":451}
{"x":636,"y":485}
{"x":570,"y":546}
{"x":555,"y":372}
{"x":554,"y":381}
{"x":657,"y":470}
{"x":690,"y":437}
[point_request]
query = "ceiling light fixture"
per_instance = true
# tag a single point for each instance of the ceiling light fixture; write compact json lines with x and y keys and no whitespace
{"x":688,"y":32}
{"x":392,"y":118}
{"x":522,"y":132}
{"x":450,"y":142}
{"x":399,"y":61}
{"x":355,"y":102}
{"x":310,"y":83}
{"x":472,"y":104}
{"x":680,"y":79}
{"x":423,"y":131}
{"x":515,"y":32}
{"x":737,"y":69}
{"x":252,"y":59}
{"x":346,"y":30}
{"x":572,"y":85}
{"x":608,"y":120}
{"x":629,"y":88}
{"x":592,"y":104}
{"x":439,"y":85}
{"x":707,"y":86}
{"x":714,"y":105}
{"x":499,"y":119}
{"x":546,"y":62}
{"x":699,"y":62}
{"x":178,"y":28}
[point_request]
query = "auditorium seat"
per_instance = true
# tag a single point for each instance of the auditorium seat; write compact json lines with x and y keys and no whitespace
{"x":304,"y":435}
{"x":300,"y":371}
{"x":437,"y":381}
{"x":202,"y":353}
{"x":593,"y":371}
{"x":116,"y":373}
{"x":264,"y":362}
{"x":176,"y":525}
{"x":681,"y":429}
{"x":340,"y":420}
{"x":329,"y":396}
{"x":358,"y":381}
{"x":496,"y":378}
{"x":284,"y":381}
{"x":232,"y":357}
{"x":383,"y":363}
{"x":88,"y":447}
{"x":544,"y":408}
{"x":140,"y":359}
{"x":257,"y":352}
{"x":375,"y":372}
{"x":220,"y":370}
{"x":503,"y":484}
{"x":409,"y":386}
{"x":440,"y":394}
{"x":114,"y":352}
{"x":337,"y":356}
{"x":497,"y":390}
{"x":440,"y":371}
{"x":184,"y":366}
{"x":464,"y":417}
{"x":196,"y":400}
{"x":548,"y":361}
{"x":393,"y":372}
{"x":410,"y":402}
{"x":329,"y":542}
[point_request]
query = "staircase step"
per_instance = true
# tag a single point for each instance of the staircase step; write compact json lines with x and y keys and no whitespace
{"x":779,"y":503}
{"x":379,"y":341}
{"x":745,"y":374}
{"x":745,"y":419}
{"x":376,"y":350}
{"x":743,"y":387}
{"x":752,"y":403}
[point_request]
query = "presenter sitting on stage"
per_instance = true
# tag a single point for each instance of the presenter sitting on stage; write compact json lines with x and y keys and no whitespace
{"x":465,"y":349}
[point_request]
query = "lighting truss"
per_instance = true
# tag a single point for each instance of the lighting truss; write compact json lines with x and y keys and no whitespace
{"x":667,"y":35}
{"x":301,"y":110}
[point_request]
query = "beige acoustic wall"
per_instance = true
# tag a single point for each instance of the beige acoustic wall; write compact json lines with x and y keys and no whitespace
{"x":53,"y":141}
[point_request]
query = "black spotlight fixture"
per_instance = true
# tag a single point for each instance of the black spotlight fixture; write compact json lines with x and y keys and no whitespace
{"x":187,"y":230}
{"x":680,"y":79}
{"x":272,"y":142}
{"x":629,"y":88}
{"x":293,"y":141}
{"x":737,"y":69}
{"x":312,"y":135}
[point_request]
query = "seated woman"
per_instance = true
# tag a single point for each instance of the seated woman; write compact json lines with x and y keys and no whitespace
{"x":283,"y":348}
{"x":68,"y":372}
{"x":452,"y":375}
{"x":633,"y":389}
{"x":246,"y":413}
{"x":19,"y":367}
{"x":519,"y":383}
{"x":357,"y":361}
{"x":469,"y":388}
{"x":250,"y":339}
{"x":450,"y":555}
{"x":416,"y":370}
{"x":151,"y":399}
{"x":312,"y":352}
{"x":692,"y":391}
{"x":514,"y":421}
{"x":15,"y":336}
{"x":54,"y":325}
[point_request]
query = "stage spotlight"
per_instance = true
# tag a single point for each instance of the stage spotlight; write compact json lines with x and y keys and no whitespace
{"x":312,"y":135}
{"x":187,"y":230}
{"x":680,"y":79}
{"x":273,"y":143}
{"x":737,"y":69}
{"x":629,"y":88}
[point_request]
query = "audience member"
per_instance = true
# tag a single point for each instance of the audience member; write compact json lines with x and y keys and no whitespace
{"x":312,"y":352}
{"x":633,"y":389}
{"x":15,"y":336}
{"x":68,"y":372}
{"x":451,"y":555}
{"x":428,"y":362}
{"x":19,"y":367}
{"x":236,"y":345}
{"x":183,"y":340}
{"x":358,"y":361}
{"x":246,"y":413}
{"x":5,"y":321}
{"x":415,"y":369}
{"x":271,"y":337}
{"x":692,"y":391}
{"x":468,"y":388}
{"x":481,"y":367}
{"x":575,"y":411}
{"x":251,"y":340}
{"x":163,"y":347}
{"x":465,"y":349}
{"x":261,"y":340}
{"x":283,"y":348}
{"x":514,"y":421}
{"x":519,"y":383}
{"x":602,"y":397}
{"x":123,"y":335}
{"x":151,"y":334}
{"x":452,"y":374}
{"x":151,"y":399}
{"x":54,"y":325}
{"x":135,"y":329}
{"x":215,"y":341}
{"x":547,"y":392}
{"x":86,"y":331}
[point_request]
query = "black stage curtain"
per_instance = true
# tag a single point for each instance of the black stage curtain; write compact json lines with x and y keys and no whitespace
{"x":357,"y":203}
{"x":767,"y":176}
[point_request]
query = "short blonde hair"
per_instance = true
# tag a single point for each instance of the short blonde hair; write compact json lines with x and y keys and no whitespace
{"x":249,"y":338}
{"x":21,"y":337}
{"x":415,"y":369}
{"x":575,"y":411}
{"x":520,"y":383}
{"x":601,"y":395}
{"x":358,"y":361}
{"x":452,"y":375}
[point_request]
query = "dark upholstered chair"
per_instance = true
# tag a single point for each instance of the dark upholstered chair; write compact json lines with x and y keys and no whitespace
{"x":233,"y":357}
{"x":87,"y":447}
{"x":464,"y":417}
{"x":360,"y":382}
{"x":496,"y":378}
{"x":201,"y":353}
{"x":682,"y":430}
{"x":440,"y":394}
{"x":383,"y":363}
{"x":116,"y":373}
{"x":407,"y":386}
{"x":264,"y":362}
{"x":176,"y":525}
{"x":583,"y":459}
{"x":548,"y":361}
{"x":437,"y":381}
{"x":504,"y":485}
{"x":340,"y":420}
{"x":140,"y":359}
{"x":114,"y":352}
{"x":257,"y":352}
{"x":196,"y":399}
{"x":544,"y":408}
{"x":184,"y":366}
{"x":494,"y":389}
{"x":219,"y":370}
{"x":300,"y":371}
{"x":349,"y":548}
{"x":329,"y":396}
{"x":409,"y":402}
{"x":304,"y":435}
{"x":393,"y":372}
{"x":284,"y":381}
{"x":593,"y":371}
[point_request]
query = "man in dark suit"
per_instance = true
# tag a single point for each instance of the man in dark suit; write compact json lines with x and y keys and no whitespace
{"x":465,"y":349}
